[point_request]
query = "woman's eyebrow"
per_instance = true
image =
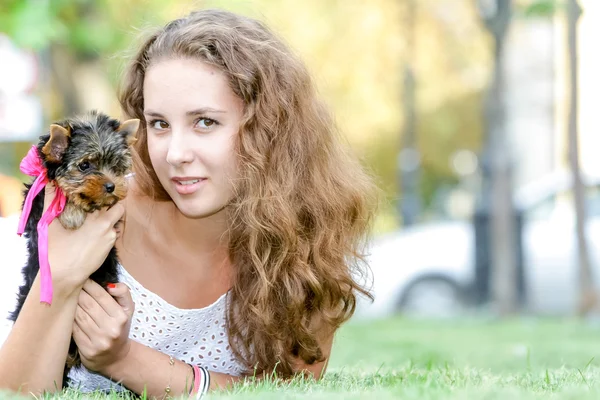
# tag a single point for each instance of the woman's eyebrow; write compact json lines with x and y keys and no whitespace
{"x":199,"y":111}
{"x":153,"y":114}
{"x":204,"y":110}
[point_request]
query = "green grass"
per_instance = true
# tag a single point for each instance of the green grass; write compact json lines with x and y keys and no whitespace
{"x":467,"y":359}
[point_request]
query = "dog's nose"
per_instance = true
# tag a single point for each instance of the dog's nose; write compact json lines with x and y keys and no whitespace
{"x":109,"y":186}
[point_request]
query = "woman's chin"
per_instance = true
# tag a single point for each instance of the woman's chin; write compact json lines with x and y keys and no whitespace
{"x":196,"y":211}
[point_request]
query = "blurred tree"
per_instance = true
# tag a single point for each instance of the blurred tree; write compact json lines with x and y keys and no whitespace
{"x":409,"y":157}
{"x":78,"y":45}
{"x":497,"y":195}
{"x":451,"y":65}
{"x":588,"y":294}
{"x":588,"y":300}
{"x":73,"y":40}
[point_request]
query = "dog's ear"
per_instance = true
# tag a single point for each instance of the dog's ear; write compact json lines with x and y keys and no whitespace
{"x":129,"y":130}
{"x":55,"y":149}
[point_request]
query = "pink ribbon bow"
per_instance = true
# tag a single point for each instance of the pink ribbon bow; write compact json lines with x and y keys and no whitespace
{"x":32,"y":166}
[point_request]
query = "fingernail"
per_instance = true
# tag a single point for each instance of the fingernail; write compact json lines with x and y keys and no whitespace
{"x":111,"y":286}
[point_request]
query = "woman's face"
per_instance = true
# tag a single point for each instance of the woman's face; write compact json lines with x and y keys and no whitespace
{"x":192,"y":119}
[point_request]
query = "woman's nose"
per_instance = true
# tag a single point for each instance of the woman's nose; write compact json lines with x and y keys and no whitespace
{"x":179,"y":151}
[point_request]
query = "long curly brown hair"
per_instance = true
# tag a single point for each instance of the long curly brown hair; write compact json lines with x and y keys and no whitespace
{"x":303,"y":205}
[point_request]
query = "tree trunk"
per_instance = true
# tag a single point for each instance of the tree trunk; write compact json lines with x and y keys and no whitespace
{"x":504,"y":261}
{"x":62,"y":65}
{"x":499,"y":196}
{"x":587,"y":299}
{"x":409,"y":156}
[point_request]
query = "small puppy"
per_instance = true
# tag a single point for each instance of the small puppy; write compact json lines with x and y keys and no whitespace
{"x":88,"y":158}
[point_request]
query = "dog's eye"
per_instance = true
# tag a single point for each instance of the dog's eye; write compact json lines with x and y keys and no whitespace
{"x":84,"y":166}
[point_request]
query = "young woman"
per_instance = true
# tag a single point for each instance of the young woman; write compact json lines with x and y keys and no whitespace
{"x":241,"y":251}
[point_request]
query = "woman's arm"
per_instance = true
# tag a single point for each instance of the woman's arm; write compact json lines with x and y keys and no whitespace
{"x":33,"y":356}
{"x":101,"y":331}
{"x":32,"y":359}
{"x":149,"y":369}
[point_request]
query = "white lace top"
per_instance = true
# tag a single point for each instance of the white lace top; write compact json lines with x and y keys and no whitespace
{"x":190,"y":335}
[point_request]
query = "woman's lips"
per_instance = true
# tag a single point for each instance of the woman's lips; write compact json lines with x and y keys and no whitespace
{"x":187,"y":185}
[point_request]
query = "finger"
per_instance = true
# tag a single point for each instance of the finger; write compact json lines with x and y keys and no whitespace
{"x":95,"y":312}
{"x":122,"y":294}
{"x":102,"y":299}
{"x":115,"y":213}
{"x":49,"y":194}
{"x":86,"y":322}
{"x":119,"y":227}
{"x":82,"y":340}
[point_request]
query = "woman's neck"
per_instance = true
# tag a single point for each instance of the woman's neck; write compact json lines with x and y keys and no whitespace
{"x":172,"y":255}
{"x":176,"y":239}
{"x":165,"y":219}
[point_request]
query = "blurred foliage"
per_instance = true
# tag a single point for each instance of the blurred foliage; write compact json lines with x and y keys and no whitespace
{"x":542,"y":8}
{"x":355,"y":49}
{"x":89,"y":28}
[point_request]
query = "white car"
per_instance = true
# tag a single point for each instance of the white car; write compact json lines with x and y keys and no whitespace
{"x":429,"y":269}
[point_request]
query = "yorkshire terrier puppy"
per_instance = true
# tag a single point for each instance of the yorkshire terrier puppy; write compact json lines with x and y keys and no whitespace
{"x":88,"y":158}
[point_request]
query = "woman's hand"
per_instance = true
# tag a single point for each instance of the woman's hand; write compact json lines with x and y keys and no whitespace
{"x":102,"y":322}
{"x":75,"y":254}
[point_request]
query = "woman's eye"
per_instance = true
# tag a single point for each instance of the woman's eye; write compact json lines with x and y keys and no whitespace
{"x":206,"y":123}
{"x":159,"y":124}
{"x":84,"y":166}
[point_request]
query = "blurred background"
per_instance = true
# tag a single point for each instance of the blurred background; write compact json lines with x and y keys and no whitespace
{"x":476,"y":116}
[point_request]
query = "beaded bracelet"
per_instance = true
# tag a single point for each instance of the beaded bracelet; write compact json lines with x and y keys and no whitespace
{"x":168,"y":388}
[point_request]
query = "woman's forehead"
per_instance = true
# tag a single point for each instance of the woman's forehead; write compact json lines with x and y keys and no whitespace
{"x":187,"y":84}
